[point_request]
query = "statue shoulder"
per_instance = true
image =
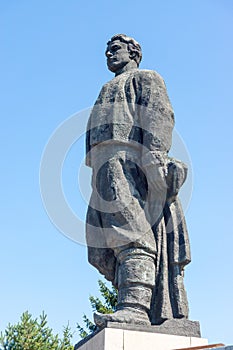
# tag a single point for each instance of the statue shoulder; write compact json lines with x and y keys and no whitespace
{"x":148,"y":76}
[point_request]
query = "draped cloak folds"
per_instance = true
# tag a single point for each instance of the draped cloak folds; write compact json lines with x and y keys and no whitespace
{"x":129,"y":130}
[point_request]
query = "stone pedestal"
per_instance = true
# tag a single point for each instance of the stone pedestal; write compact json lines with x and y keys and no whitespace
{"x":117,"y":337}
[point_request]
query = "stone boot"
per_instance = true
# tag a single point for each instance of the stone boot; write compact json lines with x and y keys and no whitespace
{"x":135,"y":279}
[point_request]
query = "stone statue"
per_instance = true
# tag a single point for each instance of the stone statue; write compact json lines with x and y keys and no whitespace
{"x":135,"y":228}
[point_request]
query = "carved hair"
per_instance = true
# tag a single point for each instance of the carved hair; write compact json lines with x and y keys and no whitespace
{"x":133,"y":46}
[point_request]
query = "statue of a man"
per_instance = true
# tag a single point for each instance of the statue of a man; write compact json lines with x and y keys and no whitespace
{"x":136,"y":232}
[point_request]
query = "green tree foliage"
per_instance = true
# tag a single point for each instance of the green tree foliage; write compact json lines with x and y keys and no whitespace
{"x":34,"y":334}
{"x":107,"y":306}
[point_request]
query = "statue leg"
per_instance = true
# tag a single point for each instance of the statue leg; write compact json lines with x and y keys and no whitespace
{"x":135,"y":280}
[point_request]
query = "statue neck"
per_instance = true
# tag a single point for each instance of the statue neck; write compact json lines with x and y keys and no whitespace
{"x":129,"y":66}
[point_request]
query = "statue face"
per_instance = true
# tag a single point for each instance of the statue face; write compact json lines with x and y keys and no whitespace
{"x":117,"y":55}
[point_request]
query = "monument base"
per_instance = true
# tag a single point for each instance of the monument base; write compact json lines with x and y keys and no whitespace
{"x":130,"y":337}
{"x":176,"y":326}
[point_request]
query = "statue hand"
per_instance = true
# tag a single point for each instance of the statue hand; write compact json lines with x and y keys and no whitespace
{"x":156,"y":179}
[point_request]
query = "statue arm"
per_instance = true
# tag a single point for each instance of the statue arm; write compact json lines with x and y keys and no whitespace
{"x":156,"y":115}
{"x":156,"y":120}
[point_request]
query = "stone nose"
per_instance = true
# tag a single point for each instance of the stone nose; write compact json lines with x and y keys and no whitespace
{"x":108,"y":54}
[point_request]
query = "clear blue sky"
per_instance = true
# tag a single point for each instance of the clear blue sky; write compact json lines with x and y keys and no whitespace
{"x":52,"y":66}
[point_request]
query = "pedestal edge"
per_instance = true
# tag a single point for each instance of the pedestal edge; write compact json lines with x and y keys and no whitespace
{"x":180,"y":327}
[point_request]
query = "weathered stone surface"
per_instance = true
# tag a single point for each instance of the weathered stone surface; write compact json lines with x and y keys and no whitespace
{"x":136,"y":231}
{"x":180,"y":327}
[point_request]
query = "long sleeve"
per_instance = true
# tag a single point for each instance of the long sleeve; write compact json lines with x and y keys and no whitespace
{"x":156,"y":116}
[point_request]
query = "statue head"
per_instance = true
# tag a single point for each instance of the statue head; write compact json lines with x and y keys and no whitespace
{"x":123,"y":51}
